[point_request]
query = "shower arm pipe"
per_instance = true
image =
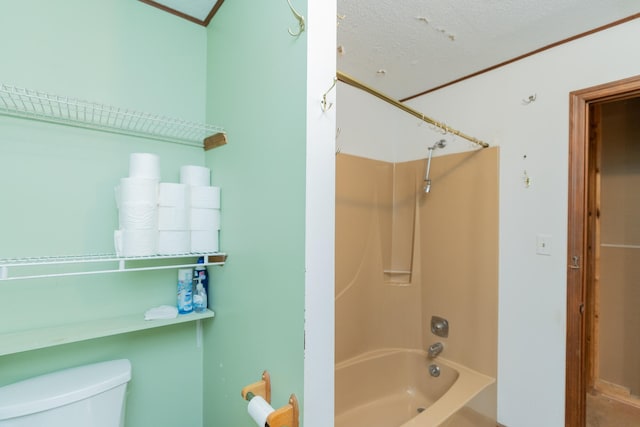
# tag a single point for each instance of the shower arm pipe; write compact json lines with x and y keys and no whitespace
{"x":426,"y":175}
{"x":345,"y":78}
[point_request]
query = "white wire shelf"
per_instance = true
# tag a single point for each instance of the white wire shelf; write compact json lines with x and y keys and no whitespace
{"x":31,"y":104}
{"x":23,"y":268}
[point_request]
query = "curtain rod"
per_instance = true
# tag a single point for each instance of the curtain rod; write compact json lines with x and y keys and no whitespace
{"x":353,"y":82}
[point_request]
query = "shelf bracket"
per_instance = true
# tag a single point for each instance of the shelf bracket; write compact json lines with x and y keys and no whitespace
{"x":214,"y":141}
{"x":198,"y":333}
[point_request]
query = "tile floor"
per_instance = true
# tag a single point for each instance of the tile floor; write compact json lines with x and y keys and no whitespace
{"x":605,"y":412}
{"x":467,"y":417}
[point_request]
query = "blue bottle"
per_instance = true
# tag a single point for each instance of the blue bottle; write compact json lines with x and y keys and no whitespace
{"x":185,"y":291}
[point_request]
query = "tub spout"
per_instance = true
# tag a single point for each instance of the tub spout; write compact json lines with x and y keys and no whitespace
{"x":435,"y":349}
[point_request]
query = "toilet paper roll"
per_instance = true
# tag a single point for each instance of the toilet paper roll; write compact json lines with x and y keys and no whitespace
{"x":204,"y":241}
{"x":204,"y":219}
{"x":204,"y":197}
{"x":174,"y":242}
{"x":117,"y":242}
{"x":129,"y":243}
{"x":259,"y":410}
{"x":195,"y":175}
{"x":118,"y":195}
{"x":172,"y":218}
{"x":144,"y":165}
{"x":137,"y":190}
{"x":173,"y":194}
{"x":138,"y":216}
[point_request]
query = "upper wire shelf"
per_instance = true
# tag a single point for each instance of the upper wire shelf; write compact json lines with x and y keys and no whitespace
{"x":25,"y":103}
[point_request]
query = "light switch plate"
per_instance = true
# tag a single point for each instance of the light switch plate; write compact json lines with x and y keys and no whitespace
{"x":543,"y":244}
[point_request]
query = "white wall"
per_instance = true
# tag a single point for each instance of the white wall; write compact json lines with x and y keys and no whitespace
{"x":534,"y":137}
{"x":319,"y":217}
{"x":533,"y":287}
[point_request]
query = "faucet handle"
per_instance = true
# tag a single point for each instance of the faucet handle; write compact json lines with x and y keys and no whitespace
{"x":439,"y":326}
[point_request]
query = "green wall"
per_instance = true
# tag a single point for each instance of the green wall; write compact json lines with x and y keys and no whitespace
{"x":256,"y":88}
{"x":57,"y":185}
{"x":57,"y":188}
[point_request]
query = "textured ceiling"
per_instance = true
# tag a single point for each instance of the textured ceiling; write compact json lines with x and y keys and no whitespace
{"x":405,"y":47}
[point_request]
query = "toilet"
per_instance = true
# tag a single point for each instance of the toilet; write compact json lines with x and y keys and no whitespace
{"x":86,"y":396}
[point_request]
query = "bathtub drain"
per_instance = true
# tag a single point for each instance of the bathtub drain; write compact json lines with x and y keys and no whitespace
{"x":434,"y":370}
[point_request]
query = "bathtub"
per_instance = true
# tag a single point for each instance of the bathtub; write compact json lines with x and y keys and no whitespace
{"x":393,"y":388}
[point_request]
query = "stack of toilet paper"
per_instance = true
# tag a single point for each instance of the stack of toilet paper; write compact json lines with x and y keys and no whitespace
{"x":173,"y":219}
{"x":165,"y":218}
{"x":137,"y":201}
{"x":204,"y":208}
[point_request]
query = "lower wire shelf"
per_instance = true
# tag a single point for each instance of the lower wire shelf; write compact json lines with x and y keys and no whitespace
{"x":33,"y":339}
{"x":31,"y":268}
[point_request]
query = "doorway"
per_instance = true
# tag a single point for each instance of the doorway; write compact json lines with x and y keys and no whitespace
{"x":597,"y":331}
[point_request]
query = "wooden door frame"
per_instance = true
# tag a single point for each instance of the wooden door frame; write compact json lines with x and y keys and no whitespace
{"x":577,"y":239}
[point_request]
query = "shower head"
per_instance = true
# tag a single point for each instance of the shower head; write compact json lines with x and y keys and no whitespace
{"x":427,"y":181}
{"x":427,"y":185}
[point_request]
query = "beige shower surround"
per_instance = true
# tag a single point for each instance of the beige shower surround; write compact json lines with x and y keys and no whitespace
{"x":448,"y":242}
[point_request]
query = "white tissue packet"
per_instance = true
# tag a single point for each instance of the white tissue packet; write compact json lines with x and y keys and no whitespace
{"x":162,"y":312}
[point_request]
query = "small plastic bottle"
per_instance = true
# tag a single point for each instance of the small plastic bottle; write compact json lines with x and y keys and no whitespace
{"x":200,"y":272}
{"x":185,"y":291}
{"x":199,"y":298}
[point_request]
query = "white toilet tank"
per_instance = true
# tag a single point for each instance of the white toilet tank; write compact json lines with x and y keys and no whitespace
{"x":86,"y":396}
